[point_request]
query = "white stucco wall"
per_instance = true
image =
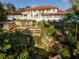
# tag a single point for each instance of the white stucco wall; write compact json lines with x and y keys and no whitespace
{"x":32,"y":15}
{"x":39,"y":18}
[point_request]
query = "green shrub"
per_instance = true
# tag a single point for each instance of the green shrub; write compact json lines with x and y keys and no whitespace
{"x":64,"y":52}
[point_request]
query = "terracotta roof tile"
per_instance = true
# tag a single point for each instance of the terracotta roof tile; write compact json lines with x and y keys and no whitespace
{"x":41,"y":7}
{"x":61,"y":12}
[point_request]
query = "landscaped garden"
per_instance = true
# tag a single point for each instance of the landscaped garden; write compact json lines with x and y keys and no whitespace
{"x":62,"y":39}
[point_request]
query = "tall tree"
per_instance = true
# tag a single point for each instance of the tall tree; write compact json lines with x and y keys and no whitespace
{"x":70,"y":23}
{"x":2,"y":12}
{"x":2,"y":15}
{"x":10,"y":8}
{"x":76,"y":3}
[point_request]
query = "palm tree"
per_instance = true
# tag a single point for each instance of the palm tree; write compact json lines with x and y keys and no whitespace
{"x":71,"y":22}
{"x":75,"y":8}
{"x":72,"y":17}
{"x":76,"y":3}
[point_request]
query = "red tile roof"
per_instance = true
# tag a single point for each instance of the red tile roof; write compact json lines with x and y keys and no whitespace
{"x":41,"y":7}
{"x":61,"y":12}
{"x":46,"y":7}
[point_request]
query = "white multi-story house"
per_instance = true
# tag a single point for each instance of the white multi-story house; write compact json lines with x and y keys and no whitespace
{"x":40,"y":13}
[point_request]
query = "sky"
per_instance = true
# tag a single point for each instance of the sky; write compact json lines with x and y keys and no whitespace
{"x":61,"y":4}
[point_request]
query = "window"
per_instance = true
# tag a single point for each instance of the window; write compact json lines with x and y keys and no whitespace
{"x":48,"y":10}
{"x":36,"y":16}
{"x":54,"y":9}
{"x":34,"y":10}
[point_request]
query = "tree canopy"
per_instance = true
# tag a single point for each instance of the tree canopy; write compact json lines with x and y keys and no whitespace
{"x":2,"y":12}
